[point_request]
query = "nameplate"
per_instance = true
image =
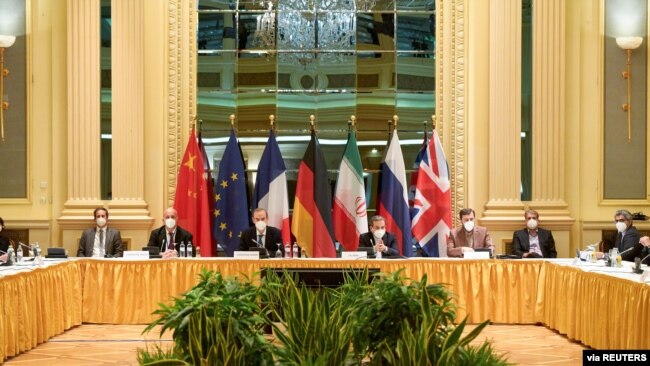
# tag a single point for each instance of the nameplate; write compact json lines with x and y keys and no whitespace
{"x":476,"y":255}
{"x":242,"y":254}
{"x":135,"y":254}
{"x":354,"y":255}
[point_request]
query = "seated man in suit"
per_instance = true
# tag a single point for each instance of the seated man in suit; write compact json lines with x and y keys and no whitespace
{"x":533,"y":242}
{"x":467,"y":237}
{"x":261,"y":235}
{"x":168,"y":236}
{"x":382,"y":241}
{"x":100,"y":240}
{"x":627,"y":239}
{"x":4,"y":244}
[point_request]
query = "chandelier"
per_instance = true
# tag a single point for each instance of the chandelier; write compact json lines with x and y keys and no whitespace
{"x":309,"y":30}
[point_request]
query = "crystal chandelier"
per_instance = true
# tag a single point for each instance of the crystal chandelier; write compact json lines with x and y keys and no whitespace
{"x":308,"y":30}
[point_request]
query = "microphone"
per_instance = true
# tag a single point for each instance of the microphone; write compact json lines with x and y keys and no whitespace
{"x":644,"y":258}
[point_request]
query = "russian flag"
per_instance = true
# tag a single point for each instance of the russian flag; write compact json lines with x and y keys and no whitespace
{"x":393,"y":196}
{"x":271,"y":188}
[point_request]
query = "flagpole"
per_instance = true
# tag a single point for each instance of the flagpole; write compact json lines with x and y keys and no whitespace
{"x":232,"y":121}
{"x":433,"y":121}
{"x":192,"y":122}
{"x":352,"y":123}
{"x":312,"y":123}
{"x":272,"y":122}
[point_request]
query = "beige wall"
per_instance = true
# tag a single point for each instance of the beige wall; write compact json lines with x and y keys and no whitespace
{"x":56,"y":215}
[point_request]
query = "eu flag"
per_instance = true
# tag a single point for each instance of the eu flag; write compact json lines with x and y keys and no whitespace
{"x":230,"y":216}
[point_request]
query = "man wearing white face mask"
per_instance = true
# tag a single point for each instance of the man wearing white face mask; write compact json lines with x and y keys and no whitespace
{"x":261,"y":235}
{"x":468,"y":236}
{"x":383,"y":242}
{"x":100,"y":241}
{"x":627,"y":237}
{"x":533,"y":241}
{"x":170,"y":235}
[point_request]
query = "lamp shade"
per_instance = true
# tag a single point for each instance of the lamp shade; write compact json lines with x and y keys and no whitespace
{"x":7,"y":41}
{"x":629,"y":43}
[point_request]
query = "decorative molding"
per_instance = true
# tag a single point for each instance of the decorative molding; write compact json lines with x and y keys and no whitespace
{"x":174,"y":72}
{"x":458,"y":98}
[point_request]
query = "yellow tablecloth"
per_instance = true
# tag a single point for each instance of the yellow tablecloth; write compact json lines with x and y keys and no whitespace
{"x":601,"y":311}
{"x":37,"y":305}
{"x":119,"y":292}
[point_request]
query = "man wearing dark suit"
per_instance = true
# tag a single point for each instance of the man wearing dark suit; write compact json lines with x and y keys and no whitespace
{"x":100,"y":240}
{"x":533,"y":241}
{"x":468,"y":236}
{"x":4,"y":244}
{"x":382,"y":241}
{"x":627,"y":236}
{"x":261,"y":234}
{"x":170,"y":235}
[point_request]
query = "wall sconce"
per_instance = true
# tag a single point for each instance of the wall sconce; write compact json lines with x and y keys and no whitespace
{"x":628,"y":44}
{"x":5,"y":41}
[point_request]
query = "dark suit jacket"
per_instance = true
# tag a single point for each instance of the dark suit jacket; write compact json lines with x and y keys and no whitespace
{"x":521,"y":243}
{"x":390,"y":241}
{"x":112,"y":242}
{"x":630,"y":240}
{"x":180,"y":236}
{"x":4,"y":244}
{"x":272,"y":237}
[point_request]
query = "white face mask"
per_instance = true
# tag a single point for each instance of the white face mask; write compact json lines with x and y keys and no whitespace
{"x":100,"y":221}
{"x":531,"y":224}
{"x":170,"y":223}
{"x":621,"y":226}
{"x":260,"y":225}
{"x":379,"y":233}
{"x":469,"y":225}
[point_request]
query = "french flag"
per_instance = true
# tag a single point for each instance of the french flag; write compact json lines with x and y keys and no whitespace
{"x":393,"y":196}
{"x":271,"y":188}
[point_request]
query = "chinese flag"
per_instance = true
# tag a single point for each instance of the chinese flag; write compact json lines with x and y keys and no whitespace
{"x":191,"y":199}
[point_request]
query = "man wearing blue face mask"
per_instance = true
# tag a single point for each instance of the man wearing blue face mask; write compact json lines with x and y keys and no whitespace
{"x":100,"y":241}
{"x":170,"y":235}
{"x":383,"y":242}
{"x":468,"y":236}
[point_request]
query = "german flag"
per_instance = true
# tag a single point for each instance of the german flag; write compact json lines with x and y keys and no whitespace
{"x":312,"y":210}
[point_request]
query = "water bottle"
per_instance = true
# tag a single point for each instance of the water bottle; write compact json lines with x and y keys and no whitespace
{"x":182,"y":249}
{"x":287,"y":250}
{"x":198,"y":252}
{"x":19,"y":254}
{"x":189,"y":249}
{"x":612,"y":257}
{"x":11,"y":255}
{"x":378,"y":255}
{"x":37,"y":254}
{"x":294,"y":250}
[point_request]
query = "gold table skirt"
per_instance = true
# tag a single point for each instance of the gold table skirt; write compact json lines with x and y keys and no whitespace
{"x":37,"y":305}
{"x":601,"y":311}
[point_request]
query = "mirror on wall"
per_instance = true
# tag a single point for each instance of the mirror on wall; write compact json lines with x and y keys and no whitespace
{"x":13,"y":150}
{"x":106,"y":117}
{"x":327,"y":58}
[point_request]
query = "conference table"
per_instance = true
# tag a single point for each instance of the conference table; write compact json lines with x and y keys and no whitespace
{"x":602,"y":307}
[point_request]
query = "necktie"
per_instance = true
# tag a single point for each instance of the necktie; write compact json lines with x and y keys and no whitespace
{"x":101,"y":243}
{"x":260,"y":243}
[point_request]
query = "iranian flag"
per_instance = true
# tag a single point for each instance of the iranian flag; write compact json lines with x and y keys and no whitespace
{"x":350,"y":217}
